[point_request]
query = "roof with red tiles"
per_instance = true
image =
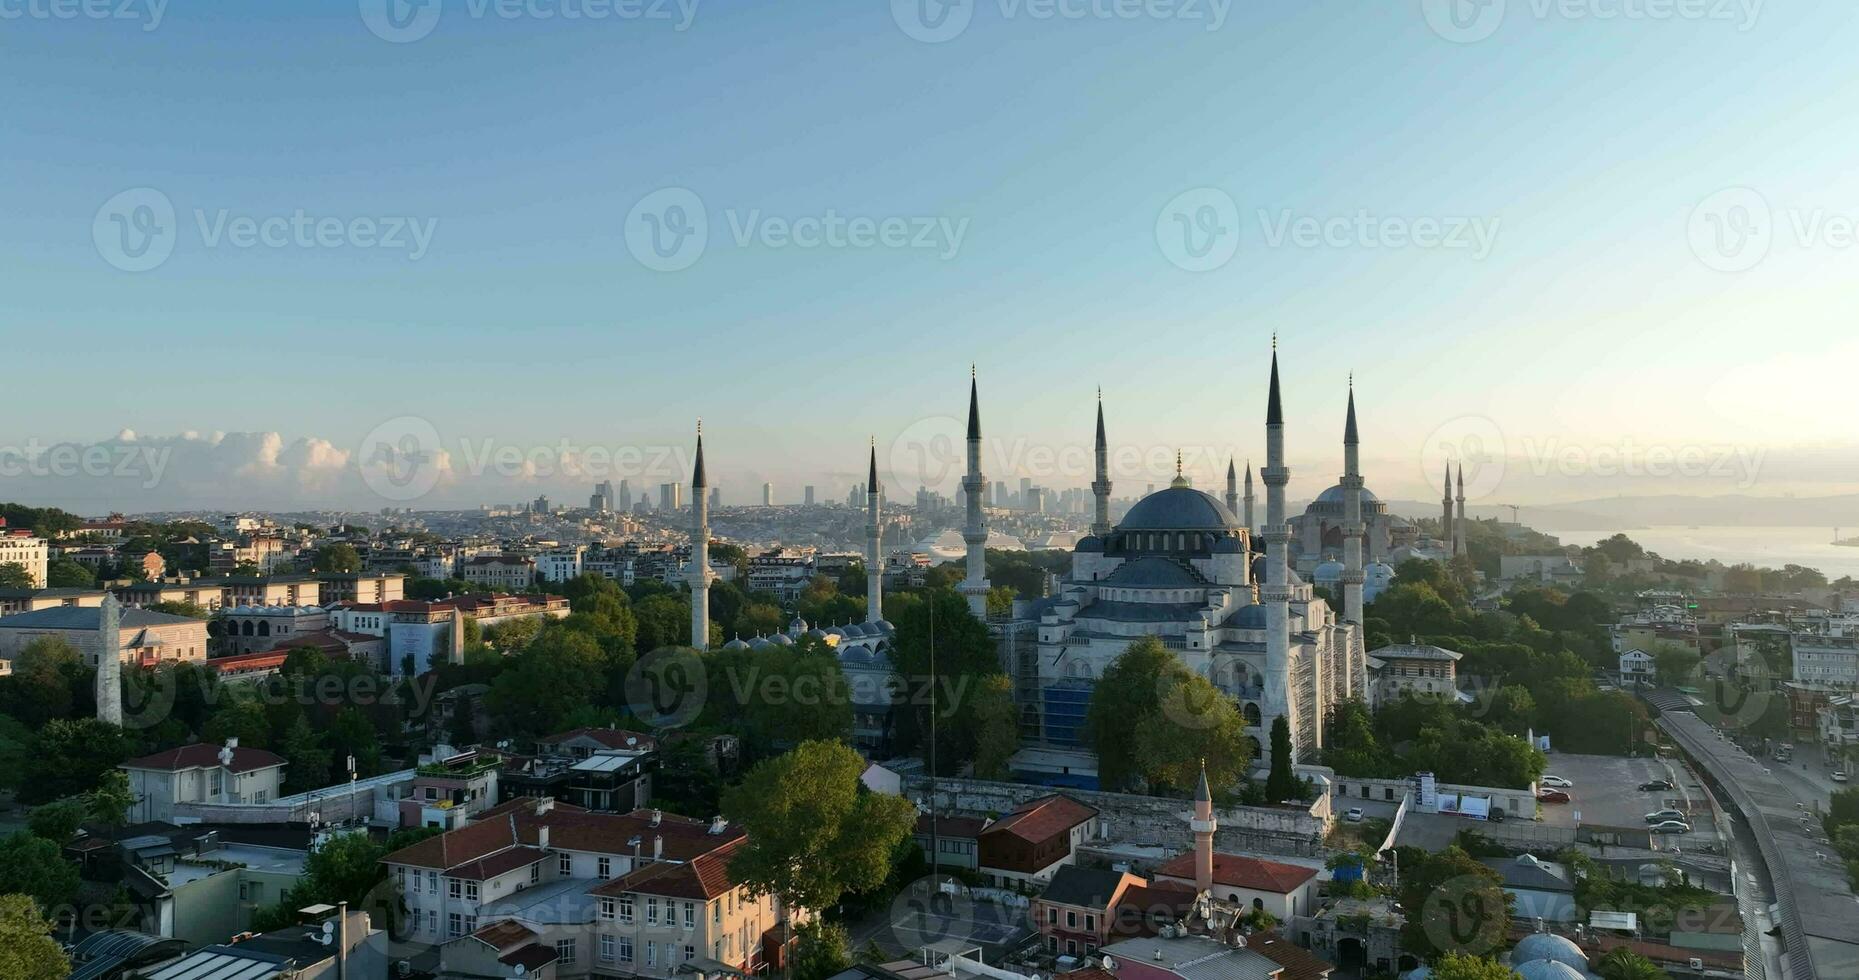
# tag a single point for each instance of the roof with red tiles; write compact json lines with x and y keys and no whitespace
{"x":571,"y":828}
{"x":1299,"y":963}
{"x":1240,"y":871}
{"x":202,"y":756}
{"x":704,"y":877}
{"x":503,"y":934}
{"x":1037,"y":820}
{"x":492,"y":865}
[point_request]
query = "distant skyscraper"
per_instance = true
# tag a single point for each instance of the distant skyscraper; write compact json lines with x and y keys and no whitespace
{"x":603,"y":491}
{"x":1000,"y":494}
{"x":670,"y":496}
{"x":716,"y":498}
{"x":625,"y":501}
{"x":807,"y":495}
{"x":768,"y":495}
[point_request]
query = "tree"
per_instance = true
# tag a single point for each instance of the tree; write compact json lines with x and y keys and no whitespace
{"x":997,"y":726}
{"x":1282,"y":783}
{"x":1463,"y":966}
{"x":1453,"y":903}
{"x":1622,"y":963}
{"x":243,"y":719}
{"x":352,"y":735}
{"x":27,"y":949}
{"x":309,"y":761}
{"x":1675,"y":664}
{"x":13,"y":575}
{"x":1153,"y":720}
{"x":48,"y":681}
{"x":814,"y":831}
{"x":108,"y":804}
{"x":71,"y":759}
{"x":821,"y":950}
{"x":63,"y":573}
{"x":57,"y":821}
{"x":337,"y":558}
{"x":32,"y":865}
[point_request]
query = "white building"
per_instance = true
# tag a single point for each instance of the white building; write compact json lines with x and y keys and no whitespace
{"x":561,"y":564}
{"x":19,"y":547}
{"x":1637,"y":665}
{"x":500,"y":573}
{"x":201,"y":773}
{"x":1827,"y":661}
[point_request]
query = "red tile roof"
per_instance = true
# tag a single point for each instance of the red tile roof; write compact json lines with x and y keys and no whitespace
{"x":202,"y":756}
{"x":503,"y":934}
{"x":704,"y":877}
{"x":571,"y":828}
{"x":1240,"y":871}
{"x":1037,"y":820}
{"x":490,"y":866}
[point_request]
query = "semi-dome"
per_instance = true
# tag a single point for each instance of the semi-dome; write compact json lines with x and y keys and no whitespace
{"x":1249,"y":617}
{"x":1153,"y":572}
{"x":1335,"y":495}
{"x":1327,"y":573}
{"x":1178,"y":509}
{"x":1549,"y":946}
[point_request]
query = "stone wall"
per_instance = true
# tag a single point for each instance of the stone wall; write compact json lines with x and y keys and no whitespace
{"x":1143,"y":820}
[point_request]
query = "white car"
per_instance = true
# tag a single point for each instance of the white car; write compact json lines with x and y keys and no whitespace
{"x":1557,"y":781}
{"x":1353,"y":814}
{"x":1670,"y":827}
{"x":1839,"y":776}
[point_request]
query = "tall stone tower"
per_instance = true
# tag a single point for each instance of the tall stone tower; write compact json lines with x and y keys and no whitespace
{"x":1203,"y":825}
{"x":700,"y":549}
{"x":1276,"y":593}
{"x":455,"y":644}
{"x":1352,"y":515}
{"x":1459,"y":546}
{"x":110,"y":661}
{"x":874,"y":559}
{"x":1100,"y":487}
{"x":975,"y":532}
{"x":1446,"y":530}
{"x":1232,"y":488}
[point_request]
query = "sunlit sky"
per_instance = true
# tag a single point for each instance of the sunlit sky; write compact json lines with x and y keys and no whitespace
{"x":1606,"y":311}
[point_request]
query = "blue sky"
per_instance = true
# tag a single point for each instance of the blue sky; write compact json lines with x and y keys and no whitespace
{"x":1583,"y":142}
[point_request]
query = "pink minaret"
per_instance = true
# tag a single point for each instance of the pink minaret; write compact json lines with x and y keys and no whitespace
{"x":1203,"y":825}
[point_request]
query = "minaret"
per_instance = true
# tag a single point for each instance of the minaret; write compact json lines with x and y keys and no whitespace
{"x":1232,"y":488}
{"x":1276,"y":593}
{"x":874,"y":560}
{"x":1250,"y":527}
{"x":110,"y":661}
{"x":1352,"y":515}
{"x":1100,"y":487}
{"x":1458,"y":525}
{"x":975,"y":533}
{"x":455,"y":643}
{"x":700,"y":549}
{"x":1445,"y":521}
{"x":1203,"y":825}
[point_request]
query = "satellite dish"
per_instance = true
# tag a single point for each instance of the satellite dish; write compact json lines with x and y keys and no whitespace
{"x":521,"y":970}
{"x":225,"y":756}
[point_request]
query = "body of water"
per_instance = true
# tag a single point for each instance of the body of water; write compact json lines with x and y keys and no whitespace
{"x":1769,"y":547}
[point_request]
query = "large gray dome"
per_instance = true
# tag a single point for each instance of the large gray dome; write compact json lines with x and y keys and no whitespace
{"x":1334,"y":495}
{"x":1548,"y":970}
{"x":1549,"y":946}
{"x":1178,"y":509}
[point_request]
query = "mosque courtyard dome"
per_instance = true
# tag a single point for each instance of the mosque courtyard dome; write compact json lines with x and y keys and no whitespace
{"x":1179,"y":509}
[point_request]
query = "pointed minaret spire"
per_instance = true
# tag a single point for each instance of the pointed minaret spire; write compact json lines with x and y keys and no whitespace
{"x":700,"y":549}
{"x":1201,"y":823}
{"x":874,"y":552}
{"x":1100,"y":487}
{"x":1353,"y":528}
{"x":1447,"y":532}
{"x":1250,"y":527}
{"x":974,"y":404}
{"x":1274,"y":410}
{"x":1232,"y":486}
{"x":1349,"y":427}
{"x":975,"y":532}
{"x":1459,"y":546}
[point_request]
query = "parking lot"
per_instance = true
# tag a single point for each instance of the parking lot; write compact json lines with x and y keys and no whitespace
{"x":1607,"y":794}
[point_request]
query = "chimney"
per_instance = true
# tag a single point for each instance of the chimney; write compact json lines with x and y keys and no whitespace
{"x":717,"y":824}
{"x":657,"y":815}
{"x":658,"y":847}
{"x":542,"y":836}
{"x":544,"y":805}
{"x":233,"y":742}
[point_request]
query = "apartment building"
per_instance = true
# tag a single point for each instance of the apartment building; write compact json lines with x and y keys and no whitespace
{"x":21,"y":547}
{"x":504,"y":573}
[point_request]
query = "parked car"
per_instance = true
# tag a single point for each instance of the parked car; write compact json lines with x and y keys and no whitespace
{"x":1552,"y":796}
{"x":1839,"y":775}
{"x":1664,"y":815}
{"x":1353,"y":814}
{"x":1497,"y":815}
{"x":1553,"y":780}
{"x":1670,"y":827}
{"x":1657,"y":785}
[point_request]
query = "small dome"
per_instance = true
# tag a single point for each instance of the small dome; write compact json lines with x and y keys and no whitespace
{"x":761,"y":643}
{"x":782,"y":640}
{"x":885,"y":626}
{"x":1327,"y":573}
{"x":736,"y":645}
{"x":1548,"y":946}
{"x":817,"y":633}
{"x":1548,"y":970}
{"x":1334,"y":495}
{"x":1249,"y":617}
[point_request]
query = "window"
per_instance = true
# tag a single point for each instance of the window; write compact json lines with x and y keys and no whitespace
{"x":471,"y":891}
{"x":651,"y":911}
{"x":626,"y":908}
{"x":400,"y":878}
{"x":564,"y":952}
{"x":690,"y":953}
{"x":606,"y":948}
{"x":690,"y":917}
{"x":455,"y":925}
{"x":471,"y":923}
{"x":1071,"y":919}
{"x":605,"y":867}
{"x":567,"y":864}
{"x":651,"y":953}
{"x":1052,"y":917}
{"x":626,"y":949}
{"x":535,"y":872}
{"x":716,"y":912}
{"x":606,"y":908}
{"x":1090,"y":923}
{"x":432,"y":921}
{"x":432,"y":882}
{"x":454,"y":888}
{"x":216,"y":784}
